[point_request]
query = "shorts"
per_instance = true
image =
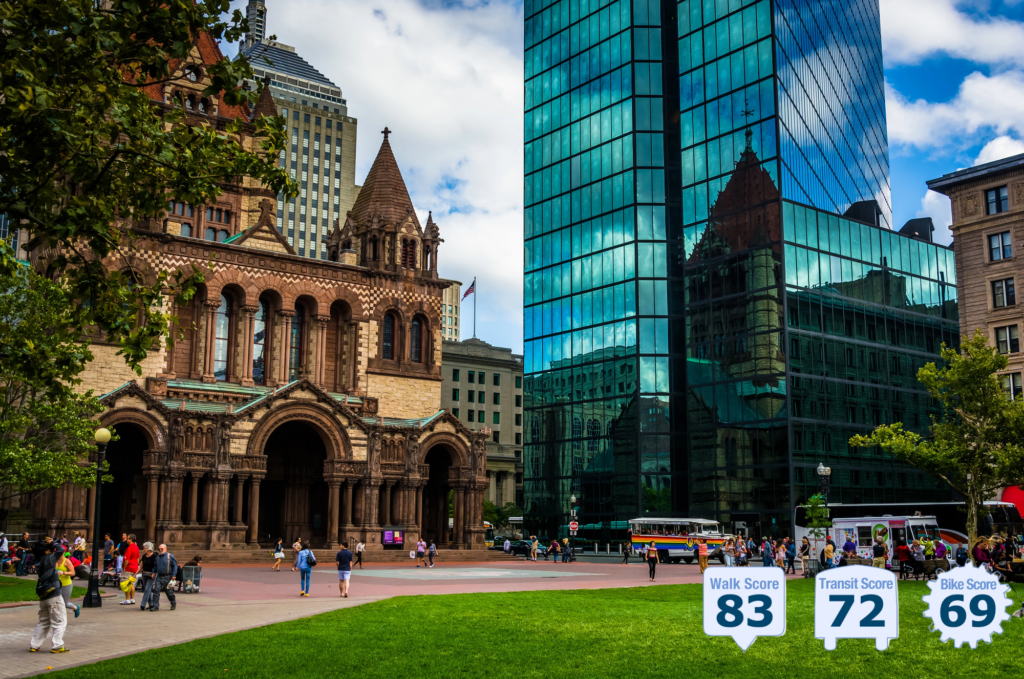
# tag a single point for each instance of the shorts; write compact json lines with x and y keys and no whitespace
{"x":419,"y":555}
{"x":344,"y":575}
{"x":878,"y":562}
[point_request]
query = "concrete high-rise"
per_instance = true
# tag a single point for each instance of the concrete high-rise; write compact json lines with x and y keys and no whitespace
{"x":322,"y":138}
{"x":715,"y":298}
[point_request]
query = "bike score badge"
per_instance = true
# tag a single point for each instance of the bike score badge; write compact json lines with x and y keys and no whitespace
{"x":745,"y":606}
{"x":967,"y":605}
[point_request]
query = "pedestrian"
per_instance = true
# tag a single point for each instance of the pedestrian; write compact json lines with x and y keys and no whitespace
{"x":360,"y":548}
{"x":878,"y":551}
{"x":66,"y":571}
{"x":534,"y":544}
{"x":508,"y":546}
{"x":917,"y":557}
{"x":702,"y":554}
{"x":751,"y":547}
{"x":279,"y":555}
{"x":305,"y":561}
{"x":940,"y":550}
{"x":166,"y":567}
{"x":902,"y":558}
{"x":344,"y":561}
{"x":790,"y":557}
{"x":108,"y":551}
{"x":849,"y":545}
{"x":742,"y":557}
{"x":565,"y":550}
{"x":123,"y":545}
{"x":805,"y":555}
{"x":296,"y":548}
{"x":961,"y":554}
{"x":25,"y":554}
{"x":53,"y":617}
{"x":432,"y":551}
{"x":652,"y":559}
{"x":780,"y":554}
{"x":4,"y":549}
{"x":147,"y":575}
{"x":767,"y":553}
{"x":626,"y":552}
{"x":730,"y":553}
{"x":421,"y":548}
{"x":131,"y":567}
{"x":981,"y":554}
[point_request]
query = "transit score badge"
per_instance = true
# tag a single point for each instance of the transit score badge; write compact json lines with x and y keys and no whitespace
{"x":746,"y":606}
{"x":967,"y":605}
{"x":856,"y":602}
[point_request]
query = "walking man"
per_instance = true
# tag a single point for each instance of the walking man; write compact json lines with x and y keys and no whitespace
{"x":108,"y":548}
{"x":344,"y":561}
{"x":533,"y":547}
{"x":52,"y":614}
{"x":421,"y":547}
{"x":702,"y":555}
{"x":360,"y":548}
{"x":131,"y":567}
{"x":508,"y":546}
{"x":431,"y":551}
{"x":166,"y":568}
{"x":23,"y":562}
{"x":626,"y":551}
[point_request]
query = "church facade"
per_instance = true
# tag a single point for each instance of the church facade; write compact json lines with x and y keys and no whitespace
{"x":301,"y":397}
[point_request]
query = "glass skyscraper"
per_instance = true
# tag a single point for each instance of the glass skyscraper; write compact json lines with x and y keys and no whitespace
{"x":690,"y":347}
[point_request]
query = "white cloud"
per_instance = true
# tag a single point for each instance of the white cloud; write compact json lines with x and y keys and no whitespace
{"x":448,"y":82}
{"x":937,"y":206}
{"x":914,"y":30}
{"x":983,"y":104}
{"x":999,"y":148}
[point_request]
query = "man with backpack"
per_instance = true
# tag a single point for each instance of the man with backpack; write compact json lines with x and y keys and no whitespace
{"x":52,"y":614}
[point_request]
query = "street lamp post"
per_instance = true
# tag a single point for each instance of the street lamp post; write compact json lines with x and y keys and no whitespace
{"x":825,"y":477}
{"x":92,"y":595}
{"x":572,"y":533}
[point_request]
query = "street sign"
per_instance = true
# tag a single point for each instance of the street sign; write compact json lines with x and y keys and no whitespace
{"x":573,"y":526}
{"x":572,"y":533}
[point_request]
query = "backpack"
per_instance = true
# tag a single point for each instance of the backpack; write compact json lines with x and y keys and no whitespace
{"x":310,"y":559}
{"x":48,"y":580}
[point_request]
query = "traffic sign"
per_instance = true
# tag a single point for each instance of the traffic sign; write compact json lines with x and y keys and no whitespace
{"x":573,"y":525}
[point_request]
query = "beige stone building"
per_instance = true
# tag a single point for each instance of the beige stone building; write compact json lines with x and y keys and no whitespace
{"x":988,"y":241}
{"x":321,"y":153}
{"x":483,"y":387}
{"x":451,"y":304}
{"x":304,"y":397}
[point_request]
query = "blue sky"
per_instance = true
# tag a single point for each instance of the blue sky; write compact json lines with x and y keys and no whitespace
{"x":447,"y":77}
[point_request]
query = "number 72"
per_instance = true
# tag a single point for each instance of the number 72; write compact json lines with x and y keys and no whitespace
{"x":869,"y":620}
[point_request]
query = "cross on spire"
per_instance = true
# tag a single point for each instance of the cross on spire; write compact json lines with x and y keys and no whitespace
{"x":747,"y":113}
{"x":386,"y":132}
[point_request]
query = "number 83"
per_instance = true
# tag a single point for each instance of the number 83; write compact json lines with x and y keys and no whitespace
{"x":729,"y":614}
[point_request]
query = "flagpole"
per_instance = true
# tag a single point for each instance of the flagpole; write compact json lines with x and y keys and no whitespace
{"x":474,"y":307}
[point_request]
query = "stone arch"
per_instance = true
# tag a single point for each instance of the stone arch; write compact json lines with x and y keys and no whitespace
{"x":347,"y":295}
{"x":308,"y":289}
{"x":151,"y":426}
{"x":330,"y":430}
{"x":244,"y":289}
{"x":457,"y":446}
{"x":274,"y":285}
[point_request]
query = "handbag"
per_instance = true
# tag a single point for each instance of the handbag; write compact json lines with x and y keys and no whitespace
{"x":278,"y":555}
{"x":310,"y":559}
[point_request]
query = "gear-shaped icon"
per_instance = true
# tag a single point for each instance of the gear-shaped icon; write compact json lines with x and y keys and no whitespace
{"x":967,"y":605}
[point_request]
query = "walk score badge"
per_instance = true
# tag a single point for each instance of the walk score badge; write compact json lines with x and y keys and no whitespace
{"x":856,"y":602}
{"x":967,"y":605}
{"x":745,"y":606}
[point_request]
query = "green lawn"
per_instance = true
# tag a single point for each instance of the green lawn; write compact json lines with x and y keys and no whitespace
{"x":582,"y":633}
{"x":18,"y":589}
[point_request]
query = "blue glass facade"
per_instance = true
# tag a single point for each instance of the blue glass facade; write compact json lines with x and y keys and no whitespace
{"x":671,"y":151}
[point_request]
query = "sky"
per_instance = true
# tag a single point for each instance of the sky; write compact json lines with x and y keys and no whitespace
{"x":446,"y":76}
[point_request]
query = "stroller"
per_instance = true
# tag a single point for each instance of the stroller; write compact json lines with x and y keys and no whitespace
{"x":191,"y":576}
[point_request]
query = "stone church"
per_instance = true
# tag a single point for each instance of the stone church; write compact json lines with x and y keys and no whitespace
{"x":302,"y":397}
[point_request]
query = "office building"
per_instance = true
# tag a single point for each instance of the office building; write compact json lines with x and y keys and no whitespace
{"x":321,"y":152}
{"x":675,"y":155}
{"x":452,"y":302}
{"x":988,"y":228}
{"x":483,"y":387}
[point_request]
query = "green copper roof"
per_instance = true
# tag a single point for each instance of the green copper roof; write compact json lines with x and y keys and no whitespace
{"x":223,"y":387}
{"x":196,"y":406}
{"x":396,"y":422}
{"x":123,"y":386}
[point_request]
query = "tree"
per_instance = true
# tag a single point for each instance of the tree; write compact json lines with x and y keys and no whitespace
{"x":977,"y":443}
{"x":499,"y":517}
{"x":817,"y":519}
{"x":46,"y":427}
{"x":86,"y":153}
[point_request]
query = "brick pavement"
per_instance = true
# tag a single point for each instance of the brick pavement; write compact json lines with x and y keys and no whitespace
{"x":241,"y":597}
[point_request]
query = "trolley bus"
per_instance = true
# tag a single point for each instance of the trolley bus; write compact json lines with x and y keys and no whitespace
{"x":677,"y":539}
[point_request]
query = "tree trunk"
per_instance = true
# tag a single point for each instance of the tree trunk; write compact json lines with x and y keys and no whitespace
{"x":972,"y":522}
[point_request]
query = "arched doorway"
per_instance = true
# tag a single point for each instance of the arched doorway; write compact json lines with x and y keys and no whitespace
{"x":437,"y":496}
{"x":123,"y":502}
{"x":294,"y":496}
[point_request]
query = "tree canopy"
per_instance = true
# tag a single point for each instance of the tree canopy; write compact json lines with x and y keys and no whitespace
{"x":977,"y":442}
{"x":85,"y":151}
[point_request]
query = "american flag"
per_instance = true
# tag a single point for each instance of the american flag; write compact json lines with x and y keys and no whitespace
{"x":470,"y":290}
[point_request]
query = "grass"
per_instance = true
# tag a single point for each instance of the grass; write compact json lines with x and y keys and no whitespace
{"x":17,"y":589}
{"x":640,"y":632}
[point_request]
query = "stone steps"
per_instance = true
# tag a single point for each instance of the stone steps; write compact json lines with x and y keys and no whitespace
{"x":326,"y":556}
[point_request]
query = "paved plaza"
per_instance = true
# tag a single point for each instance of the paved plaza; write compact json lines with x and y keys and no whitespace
{"x":241,"y":597}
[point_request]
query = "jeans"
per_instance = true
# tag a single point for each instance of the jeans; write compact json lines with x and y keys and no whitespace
{"x":729,"y":561}
{"x":652,"y":564}
{"x":789,"y":563}
{"x":22,"y":564}
{"x":304,"y":574}
{"x":153,"y":589}
{"x":565,"y":555}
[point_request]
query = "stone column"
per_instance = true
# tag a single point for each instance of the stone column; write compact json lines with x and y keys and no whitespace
{"x":386,"y":506}
{"x":321,"y":349}
{"x":194,"y":498}
{"x":284,"y":351}
{"x":352,"y":382}
{"x":239,"y":489}
{"x":492,"y":487}
{"x":459,"y":522}
{"x":441,"y":504}
{"x":333,"y":507}
{"x":248,"y":334}
{"x":419,"y":508}
{"x":151,"y":504}
{"x":346,"y":505}
{"x":254,"y":511}
{"x":211,"y":332}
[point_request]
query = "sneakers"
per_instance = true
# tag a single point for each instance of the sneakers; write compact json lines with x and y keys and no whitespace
{"x":126,"y":602}
{"x":174,"y":604}
{"x":62,"y":649}
{"x":33,"y":650}
{"x":78,"y":609}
